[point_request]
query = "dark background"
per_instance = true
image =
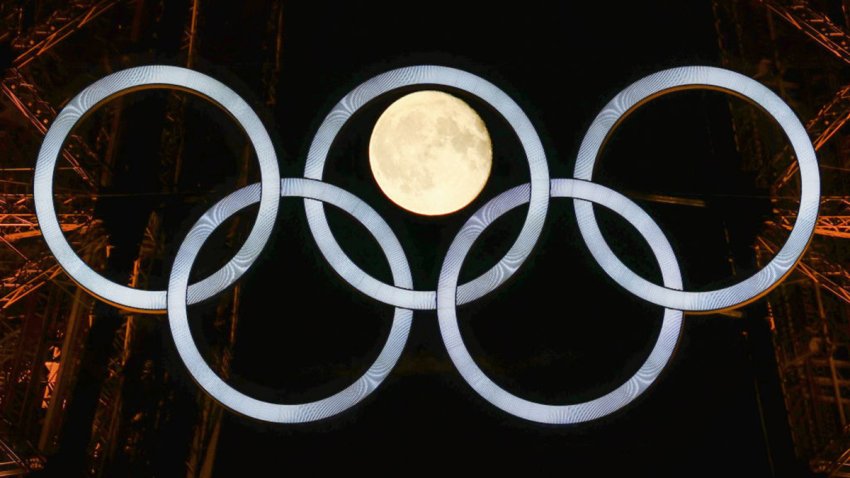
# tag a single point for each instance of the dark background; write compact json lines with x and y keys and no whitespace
{"x":559,"y":331}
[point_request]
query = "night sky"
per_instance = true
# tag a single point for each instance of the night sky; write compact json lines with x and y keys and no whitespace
{"x":560,"y":331}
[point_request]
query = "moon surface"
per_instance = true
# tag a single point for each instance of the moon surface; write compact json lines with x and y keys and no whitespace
{"x":430,"y":153}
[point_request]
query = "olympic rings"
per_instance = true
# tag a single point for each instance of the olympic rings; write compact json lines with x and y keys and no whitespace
{"x":448,"y":294}
{"x":711,"y":78}
{"x":538,"y":412}
{"x":123,"y":82}
{"x":207,"y":378}
{"x":429,"y":75}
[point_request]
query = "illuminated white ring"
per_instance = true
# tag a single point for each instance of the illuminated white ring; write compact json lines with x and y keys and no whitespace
{"x":210,"y":381}
{"x":429,"y":75}
{"x":713,"y":78}
{"x":152,"y":77}
{"x":557,"y":414}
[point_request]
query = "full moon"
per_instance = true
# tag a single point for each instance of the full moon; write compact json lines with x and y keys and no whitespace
{"x":430,"y":153}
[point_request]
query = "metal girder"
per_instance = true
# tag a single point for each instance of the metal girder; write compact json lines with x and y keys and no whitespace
{"x":832,"y":226}
{"x":24,"y":225}
{"x":35,"y":273}
{"x":24,"y":96}
{"x":40,"y":273}
{"x":807,"y":312}
{"x":841,"y":467}
{"x":831,"y":117}
{"x":835,"y":40}
{"x":28,"y":279}
{"x":18,"y":221}
{"x":832,"y":277}
{"x":833,"y":220}
{"x":190,"y":37}
{"x":58,"y":26}
{"x":107,"y":419}
{"x":814,"y":24}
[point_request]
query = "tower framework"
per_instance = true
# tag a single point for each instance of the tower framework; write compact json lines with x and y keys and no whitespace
{"x":801,"y":49}
{"x":47,"y":323}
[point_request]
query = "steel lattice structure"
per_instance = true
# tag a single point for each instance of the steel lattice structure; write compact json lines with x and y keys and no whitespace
{"x":44,"y":317}
{"x":42,"y":313}
{"x":781,"y":42}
